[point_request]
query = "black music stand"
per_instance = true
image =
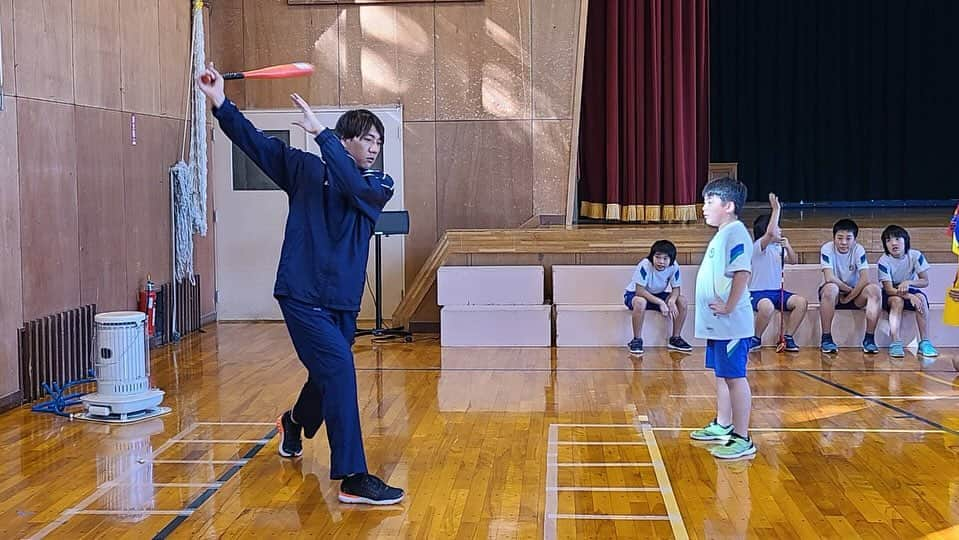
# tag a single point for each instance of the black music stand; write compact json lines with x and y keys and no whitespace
{"x":390,"y":223}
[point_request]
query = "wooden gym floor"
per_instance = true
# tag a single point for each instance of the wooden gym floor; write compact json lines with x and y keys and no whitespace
{"x":493,"y":443}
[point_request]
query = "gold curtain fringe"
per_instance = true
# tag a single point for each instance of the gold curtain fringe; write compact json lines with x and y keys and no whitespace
{"x":652,"y":213}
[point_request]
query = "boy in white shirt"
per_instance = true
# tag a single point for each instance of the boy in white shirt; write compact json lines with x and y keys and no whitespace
{"x":655,"y":287}
{"x":770,"y":251}
{"x":846,"y":285}
{"x":724,"y":317}
{"x":902,"y":273}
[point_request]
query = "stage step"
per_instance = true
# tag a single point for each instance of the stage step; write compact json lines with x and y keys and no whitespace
{"x":495,"y":326}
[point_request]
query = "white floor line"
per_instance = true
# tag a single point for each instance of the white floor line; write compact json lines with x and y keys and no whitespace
{"x":549,"y":519}
{"x":173,"y":484}
{"x":610,"y":517}
{"x":201,"y":461}
{"x":594,"y":425}
{"x":600,"y":443}
{"x":135,"y":512}
{"x":937,"y":379}
{"x":604,"y":488}
{"x":662,"y":478}
{"x":813,"y":430}
{"x":847,"y":397}
{"x":611,"y":464}
{"x":236,"y":423}
{"x":223,"y":441}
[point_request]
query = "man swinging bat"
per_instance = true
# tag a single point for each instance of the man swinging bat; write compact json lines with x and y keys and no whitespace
{"x":335,"y":201}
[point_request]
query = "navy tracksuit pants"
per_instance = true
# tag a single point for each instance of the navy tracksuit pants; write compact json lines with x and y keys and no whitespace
{"x":323,"y":340}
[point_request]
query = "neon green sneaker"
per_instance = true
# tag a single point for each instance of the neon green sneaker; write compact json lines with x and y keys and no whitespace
{"x":712,"y":432}
{"x":735,"y":447}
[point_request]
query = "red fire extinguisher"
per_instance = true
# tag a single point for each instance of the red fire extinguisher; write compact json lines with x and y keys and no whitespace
{"x":147,"y":304}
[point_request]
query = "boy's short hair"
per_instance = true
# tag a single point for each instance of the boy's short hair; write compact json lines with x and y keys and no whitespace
{"x":357,"y":123}
{"x":760,"y":226}
{"x":728,"y":190}
{"x":894,"y":231}
{"x":665,"y":247}
{"x":846,"y":224}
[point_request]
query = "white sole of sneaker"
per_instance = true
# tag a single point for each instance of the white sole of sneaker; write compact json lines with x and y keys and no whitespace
{"x":748,"y":452}
{"x":678,"y":349}
{"x":640,"y":353}
{"x":282,"y":433}
{"x":353,"y":499}
{"x":720,"y":438}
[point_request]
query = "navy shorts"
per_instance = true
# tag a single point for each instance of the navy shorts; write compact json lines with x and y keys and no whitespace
{"x":772,"y":296}
{"x":907,"y":304}
{"x":629,"y":295}
{"x":727,"y":357}
{"x":839,"y":305}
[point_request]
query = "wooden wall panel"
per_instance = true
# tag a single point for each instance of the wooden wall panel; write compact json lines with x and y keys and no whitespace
{"x":386,"y":56}
{"x":175,"y":32}
{"x":550,"y":166}
{"x":225,"y":27}
{"x":11,"y":299}
{"x":146,"y":191}
{"x":6,"y":29}
{"x":419,"y":177}
{"x":482,"y":60}
{"x":485,"y":177}
{"x":554,"y":40}
{"x":103,"y":254}
{"x":43,"y":43}
{"x":140,"y":57}
{"x":276,"y":33}
{"x":96,"y":53}
{"x":48,"y":207}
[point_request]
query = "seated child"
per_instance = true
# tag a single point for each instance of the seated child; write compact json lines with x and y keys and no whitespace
{"x":769,"y":251}
{"x":846,"y":285}
{"x":655,"y":287}
{"x":902,"y":273}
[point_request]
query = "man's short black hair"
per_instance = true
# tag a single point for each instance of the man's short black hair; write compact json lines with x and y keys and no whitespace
{"x":357,"y":123}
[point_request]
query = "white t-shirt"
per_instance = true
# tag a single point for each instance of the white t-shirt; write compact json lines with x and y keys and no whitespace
{"x":845,"y":266}
{"x":767,"y":266}
{"x":730,"y":251}
{"x":653,"y":280}
{"x":899,"y":270}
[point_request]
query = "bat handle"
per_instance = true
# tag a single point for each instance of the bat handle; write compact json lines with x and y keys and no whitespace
{"x":233,"y":75}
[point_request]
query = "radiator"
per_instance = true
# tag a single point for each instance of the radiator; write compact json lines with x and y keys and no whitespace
{"x":56,"y":348}
{"x":187,"y":311}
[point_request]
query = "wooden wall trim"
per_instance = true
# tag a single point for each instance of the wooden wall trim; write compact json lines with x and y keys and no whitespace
{"x":577,"y":104}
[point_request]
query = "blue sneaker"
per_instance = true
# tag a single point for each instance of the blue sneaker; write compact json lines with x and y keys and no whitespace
{"x":636,"y":346}
{"x":828,"y":345}
{"x":790,"y":344}
{"x":896,"y":350}
{"x":926,"y":349}
{"x":755,"y":344}
{"x":869,"y":346}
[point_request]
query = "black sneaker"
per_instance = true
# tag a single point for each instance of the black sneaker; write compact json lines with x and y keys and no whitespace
{"x":291,"y":445}
{"x":635,"y":346}
{"x":367,"y":489}
{"x":677,"y":343}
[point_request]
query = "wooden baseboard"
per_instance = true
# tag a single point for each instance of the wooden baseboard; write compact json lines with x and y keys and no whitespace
{"x":207,"y":319}
{"x":11,"y":401}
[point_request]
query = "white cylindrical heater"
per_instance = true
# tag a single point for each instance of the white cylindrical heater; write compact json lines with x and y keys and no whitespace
{"x":122,"y":368}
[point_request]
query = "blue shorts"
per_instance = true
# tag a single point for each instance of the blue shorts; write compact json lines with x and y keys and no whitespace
{"x":907,"y":305}
{"x":839,"y":305}
{"x":629,"y":295}
{"x":727,"y":357}
{"x":772,"y":296}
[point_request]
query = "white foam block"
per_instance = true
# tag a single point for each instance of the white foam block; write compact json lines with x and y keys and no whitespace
{"x":489,"y":285}
{"x":611,"y":326}
{"x":495,"y":326}
{"x":805,"y":279}
{"x":604,"y":284}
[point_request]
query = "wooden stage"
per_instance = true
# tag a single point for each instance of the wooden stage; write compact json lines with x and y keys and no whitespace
{"x":502,"y":443}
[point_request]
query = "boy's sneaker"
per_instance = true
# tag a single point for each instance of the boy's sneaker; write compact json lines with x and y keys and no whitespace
{"x":755,"y":344}
{"x":712,"y":432}
{"x":735,"y":447}
{"x":896,"y":349}
{"x":790,"y":344}
{"x":828,"y":345}
{"x":677,"y":343}
{"x":869,"y":345}
{"x":291,"y":445}
{"x":926,"y":349}
{"x":368,"y":489}
{"x":636,"y":346}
